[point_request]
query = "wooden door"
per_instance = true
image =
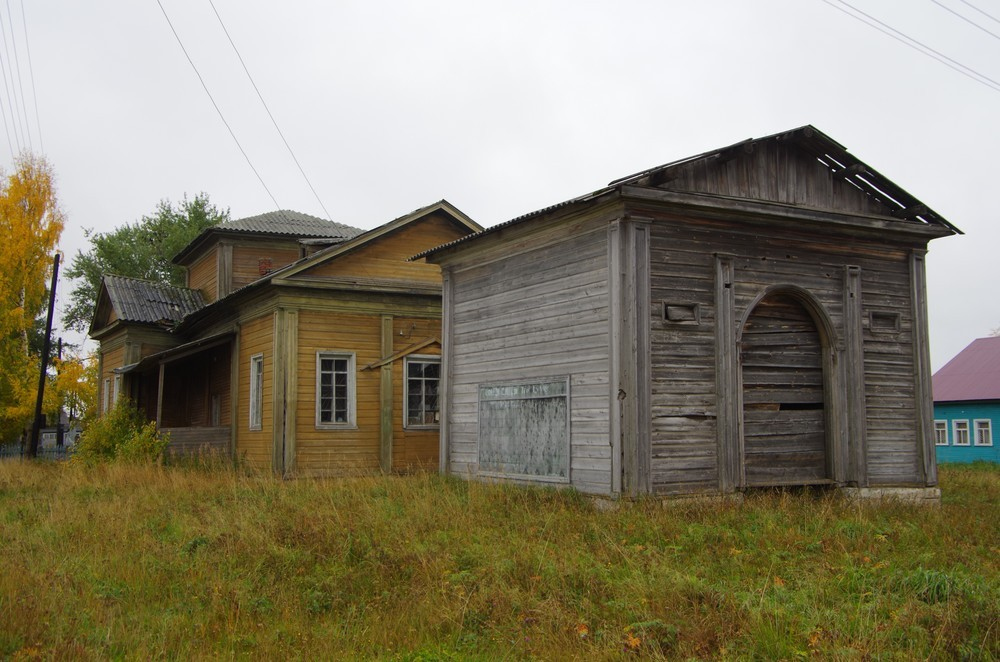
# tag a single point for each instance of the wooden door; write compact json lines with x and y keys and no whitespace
{"x":784,"y":431}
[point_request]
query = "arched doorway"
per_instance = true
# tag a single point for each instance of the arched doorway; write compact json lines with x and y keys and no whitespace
{"x":784,"y":400}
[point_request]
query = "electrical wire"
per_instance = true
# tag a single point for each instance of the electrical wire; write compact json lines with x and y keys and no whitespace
{"x":11,"y":104}
{"x":31,"y":75}
{"x":216,"y":106}
{"x":6,"y":130}
{"x":263,"y":103}
{"x":967,"y":20}
{"x":916,"y":45}
{"x":992,"y":18}
{"x":20,"y":84}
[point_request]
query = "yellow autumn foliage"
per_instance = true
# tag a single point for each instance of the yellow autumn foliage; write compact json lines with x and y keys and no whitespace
{"x":30,"y":224}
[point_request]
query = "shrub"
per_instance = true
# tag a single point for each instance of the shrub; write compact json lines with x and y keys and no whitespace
{"x":121,"y":435}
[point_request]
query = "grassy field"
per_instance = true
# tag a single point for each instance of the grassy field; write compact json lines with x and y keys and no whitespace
{"x":153,"y":562}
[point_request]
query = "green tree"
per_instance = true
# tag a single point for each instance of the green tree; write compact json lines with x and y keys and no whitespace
{"x":139,"y":250}
{"x":30,"y":224}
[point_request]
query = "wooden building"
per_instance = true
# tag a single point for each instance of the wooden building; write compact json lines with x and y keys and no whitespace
{"x":967,"y":404}
{"x":751,"y":316}
{"x":300,"y":345}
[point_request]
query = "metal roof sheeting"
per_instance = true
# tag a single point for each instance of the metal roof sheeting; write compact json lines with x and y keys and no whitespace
{"x":137,"y":300}
{"x":293,"y":223}
{"x":974,"y":373}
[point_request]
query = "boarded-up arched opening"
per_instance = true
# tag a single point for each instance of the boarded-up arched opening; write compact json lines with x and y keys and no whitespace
{"x":784,"y":421}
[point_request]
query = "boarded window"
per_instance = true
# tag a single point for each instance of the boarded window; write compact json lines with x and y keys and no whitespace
{"x":524,"y":429}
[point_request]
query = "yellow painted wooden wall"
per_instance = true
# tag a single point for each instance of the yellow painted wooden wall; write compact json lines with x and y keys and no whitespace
{"x":385,"y":258}
{"x":110,"y":359}
{"x":247,"y":260}
{"x":324,"y":451}
{"x":254,"y":446}
{"x":203,"y":275}
{"x":411,"y":449}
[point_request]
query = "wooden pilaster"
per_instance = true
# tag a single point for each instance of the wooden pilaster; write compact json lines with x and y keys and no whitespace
{"x":927,"y":462}
{"x":159,"y":397}
{"x":278,"y":395}
{"x":727,"y":382}
{"x":854,"y":381}
{"x":447,"y":340}
{"x":291,"y":388}
{"x":224,"y":275}
{"x":628,"y":244}
{"x":385,"y":398}
{"x":234,"y":392}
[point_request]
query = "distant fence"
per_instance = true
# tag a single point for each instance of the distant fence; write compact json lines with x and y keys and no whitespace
{"x":48,"y":453}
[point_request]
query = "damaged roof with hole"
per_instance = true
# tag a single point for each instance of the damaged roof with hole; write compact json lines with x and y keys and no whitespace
{"x":890,"y":199}
{"x":137,"y":300}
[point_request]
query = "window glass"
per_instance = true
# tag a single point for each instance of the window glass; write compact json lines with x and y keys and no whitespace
{"x":423,"y":379}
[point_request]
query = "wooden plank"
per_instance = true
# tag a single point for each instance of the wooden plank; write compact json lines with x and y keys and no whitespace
{"x":385,"y":397}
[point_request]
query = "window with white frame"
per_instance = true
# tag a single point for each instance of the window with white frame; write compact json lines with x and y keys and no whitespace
{"x":960,"y":433}
{"x":941,"y":433}
{"x":984,"y":432}
{"x":256,"y":390}
{"x":423,"y":378}
{"x":106,"y":395}
{"x":334,"y":390}
{"x":117,"y":390}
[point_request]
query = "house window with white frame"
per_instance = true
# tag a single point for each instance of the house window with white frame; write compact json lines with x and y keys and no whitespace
{"x":960,"y":433}
{"x":423,"y":379}
{"x":941,"y":433}
{"x":334,"y":390}
{"x":106,"y":395}
{"x":984,"y":432}
{"x":256,"y":390}
{"x":117,"y":390}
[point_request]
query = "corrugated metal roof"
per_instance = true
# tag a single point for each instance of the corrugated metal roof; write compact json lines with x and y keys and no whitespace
{"x":137,"y":300}
{"x":294,"y":223}
{"x":974,"y":373}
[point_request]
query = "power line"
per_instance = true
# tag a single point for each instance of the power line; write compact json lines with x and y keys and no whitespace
{"x":916,"y":45}
{"x":263,"y":103}
{"x":11,"y":103}
{"x":20,"y":85}
{"x":6,"y":130}
{"x":967,"y":20}
{"x":31,"y":74}
{"x":992,"y":18}
{"x":212,"y":99}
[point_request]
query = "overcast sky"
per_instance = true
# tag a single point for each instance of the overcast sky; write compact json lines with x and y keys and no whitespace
{"x":503,"y":108}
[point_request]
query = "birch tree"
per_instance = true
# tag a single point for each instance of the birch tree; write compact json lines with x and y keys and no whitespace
{"x":30,"y":225}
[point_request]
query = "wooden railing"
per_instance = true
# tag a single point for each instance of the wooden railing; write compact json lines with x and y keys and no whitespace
{"x":198,"y":440}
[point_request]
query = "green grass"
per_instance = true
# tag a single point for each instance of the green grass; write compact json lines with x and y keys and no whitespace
{"x":167,"y":562}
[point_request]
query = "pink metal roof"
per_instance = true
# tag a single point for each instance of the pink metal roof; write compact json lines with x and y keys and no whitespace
{"x":974,"y":374}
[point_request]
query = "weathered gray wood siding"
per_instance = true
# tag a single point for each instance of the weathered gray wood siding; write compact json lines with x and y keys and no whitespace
{"x":685,"y":407}
{"x":533,"y":309}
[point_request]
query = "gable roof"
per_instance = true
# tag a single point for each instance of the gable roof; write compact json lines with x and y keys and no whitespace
{"x":142,"y":301}
{"x":342,"y":248}
{"x":282,"y":223}
{"x":842,"y":165}
{"x":974,"y":373}
{"x":451,"y":210}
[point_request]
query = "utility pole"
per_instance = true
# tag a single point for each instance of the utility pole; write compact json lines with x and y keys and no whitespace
{"x":36,"y":427}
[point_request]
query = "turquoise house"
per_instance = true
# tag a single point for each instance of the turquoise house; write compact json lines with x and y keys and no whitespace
{"x":967,"y":404}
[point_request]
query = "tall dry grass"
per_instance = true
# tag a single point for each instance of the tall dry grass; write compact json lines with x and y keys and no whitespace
{"x":188,"y":562}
